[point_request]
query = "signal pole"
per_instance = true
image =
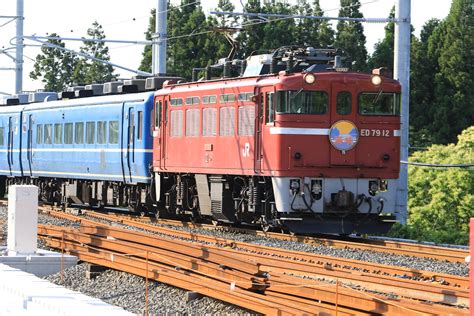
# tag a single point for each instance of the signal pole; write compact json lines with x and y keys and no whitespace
{"x":401,"y":73}
{"x":159,"y":39}
{"x":19,"y":47}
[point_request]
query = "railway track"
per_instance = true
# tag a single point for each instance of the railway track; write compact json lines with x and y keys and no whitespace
{"x":393,"y":247}
{"x":299,"y":277}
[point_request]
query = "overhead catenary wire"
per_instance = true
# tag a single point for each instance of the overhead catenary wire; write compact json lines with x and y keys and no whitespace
{"x":423,"y":164}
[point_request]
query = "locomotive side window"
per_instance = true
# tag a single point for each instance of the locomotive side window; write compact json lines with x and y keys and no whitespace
{"x":101,"y":132}
{"x":113,"y":132}
{"x":68,"y":133}
{"x":48,"y":131}
{"x":227,"y":98}
{"x":2,"y":136}
{"x":209,"y":99}
{"x":192,"y":122}
{"x":302,"y":102}
{"x":246,"y":120}
{"x":209,"y":122}
{"x":39,"y":133}
{"x":344,"y":103}
{"x":90,"y":132}
{"x":245,"y":96}
{"x":158,"y":109}
{"x":79,"y":133}
{"x":379,"y":103}
{"x":227,"y":121}
{"x":176,"y":102}
{"x":270,"y":109}
{"x":176,"y":124}
{"x":192,"y":100}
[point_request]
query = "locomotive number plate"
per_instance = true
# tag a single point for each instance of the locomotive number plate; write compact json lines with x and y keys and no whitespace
{"x":376,"y":132}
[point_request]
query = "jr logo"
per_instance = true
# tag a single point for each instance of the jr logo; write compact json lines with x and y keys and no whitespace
{"x":246,"y":150}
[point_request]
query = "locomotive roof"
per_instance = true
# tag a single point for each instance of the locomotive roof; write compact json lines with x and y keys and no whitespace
{"x":98,"y":100}
{"x":269,"y":79}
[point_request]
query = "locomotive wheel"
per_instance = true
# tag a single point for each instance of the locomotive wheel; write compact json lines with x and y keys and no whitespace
{"x":265,"y":227}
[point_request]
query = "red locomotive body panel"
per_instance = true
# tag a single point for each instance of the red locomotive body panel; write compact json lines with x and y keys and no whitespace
{"x":243,"y":133}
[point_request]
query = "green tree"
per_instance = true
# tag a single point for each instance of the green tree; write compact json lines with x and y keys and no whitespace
{"x":453,"y":42}
{"x":89,"y":71}
{"x":54,"y":66}
{"x":317,"y":33}
{"x":281,"y":31}
{"x":253,"y":33}
{"x":350,"y":35}
{"x":145,"y":64}
{"x":384,"y":49}
{"x":440,"y":200}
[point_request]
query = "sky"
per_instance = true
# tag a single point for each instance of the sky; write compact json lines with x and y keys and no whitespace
{"x":128,"y":20}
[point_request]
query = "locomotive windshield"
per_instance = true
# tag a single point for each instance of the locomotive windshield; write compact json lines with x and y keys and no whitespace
{"x":379,"y":103}
{"x":302,"y":102}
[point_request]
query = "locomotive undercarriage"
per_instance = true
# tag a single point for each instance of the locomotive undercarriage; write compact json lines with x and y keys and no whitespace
{"x":97,"y":194}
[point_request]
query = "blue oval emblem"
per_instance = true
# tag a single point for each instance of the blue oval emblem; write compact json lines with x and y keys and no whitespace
{"x":343,"y":135}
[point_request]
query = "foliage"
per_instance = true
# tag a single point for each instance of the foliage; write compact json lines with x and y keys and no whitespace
{"x":441,"y":199}
{"x":88,"y":71}
{"x":350,"y":35}
{"x":54,"y":66}
{"x":384,"y":49}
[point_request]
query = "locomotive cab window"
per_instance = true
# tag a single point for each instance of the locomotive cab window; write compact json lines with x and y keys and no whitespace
{"x":302,"y":102}
{"x":2,"y":136}
{"x":270,"y":109}
{"x":379,"y":103}
{"x":344,"y":103}
{"x":140,"y":125}
{"x":158,"y":109}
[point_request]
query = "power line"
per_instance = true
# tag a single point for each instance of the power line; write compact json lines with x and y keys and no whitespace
{"x":423,"y":164}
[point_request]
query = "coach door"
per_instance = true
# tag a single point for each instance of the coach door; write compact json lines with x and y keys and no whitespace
{"x":128,"y":143}
{"x":13,"y":149}
{"x":343,"y":132}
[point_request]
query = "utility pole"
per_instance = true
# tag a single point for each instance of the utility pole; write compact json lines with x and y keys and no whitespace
{"x":402,"y":73}
{"x":159,"y":39}
{"x":19,"y":47}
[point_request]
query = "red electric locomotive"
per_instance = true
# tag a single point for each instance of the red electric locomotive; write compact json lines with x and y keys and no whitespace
{"x":295,"y":142}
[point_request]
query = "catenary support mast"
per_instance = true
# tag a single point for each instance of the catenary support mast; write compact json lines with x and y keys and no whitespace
{"x":19,"y":47}
{"x":402,"y":73}
{"x":159,"y":38}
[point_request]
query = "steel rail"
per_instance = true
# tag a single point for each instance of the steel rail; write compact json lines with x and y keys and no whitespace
{"x":321,"y":260}
{"x":387,"y":246}
{"x":323,"y":293}
{"x":204,"y":285}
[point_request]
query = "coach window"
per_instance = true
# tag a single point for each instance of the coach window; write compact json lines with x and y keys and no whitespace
{"x":101,"y":132}
{"x":79,"y":133}
{"x":2,"y":136}
{"x":39,"y":133}
{"x":344,"y":103}
{"x":270,"y":109}
{"x":140,"y":125}
{"x":58,"y":133}
{"x":90,"y":132}
{"x":68,"y":133}
{"x":48,"y":131}
{"x":113,"y":132}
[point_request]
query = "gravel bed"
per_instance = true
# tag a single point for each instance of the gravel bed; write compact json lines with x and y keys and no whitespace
{"x":128,"y":291}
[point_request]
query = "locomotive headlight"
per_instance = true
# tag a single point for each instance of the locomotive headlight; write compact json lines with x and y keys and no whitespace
{"x":309,"y":78}
{"x":376,"y":80}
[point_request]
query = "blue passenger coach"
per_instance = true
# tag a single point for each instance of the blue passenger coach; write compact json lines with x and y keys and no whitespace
{"x":95,"y":151}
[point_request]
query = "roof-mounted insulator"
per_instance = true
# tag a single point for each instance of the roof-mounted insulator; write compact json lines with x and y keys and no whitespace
{"x":112,"y":87}
{"x":42,"y":97}
{"x":96,"y":88}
